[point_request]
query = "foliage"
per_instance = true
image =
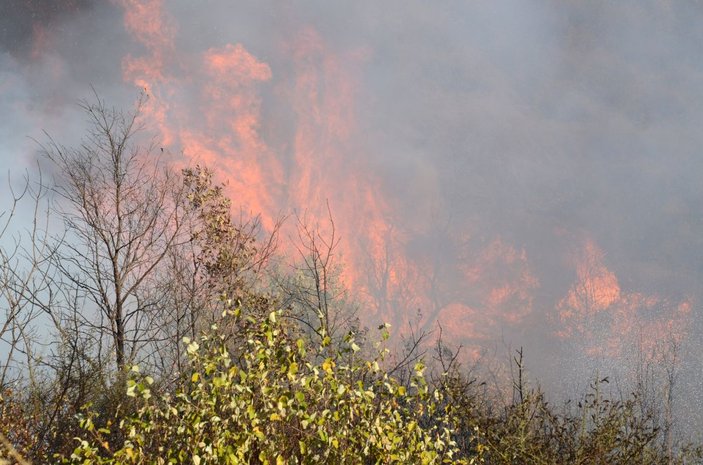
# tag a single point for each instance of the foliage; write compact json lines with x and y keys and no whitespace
{"x":16,"y":425}
{"x":227,"y":251}
{"x":596,"y":430}
{"x":271,"y":403}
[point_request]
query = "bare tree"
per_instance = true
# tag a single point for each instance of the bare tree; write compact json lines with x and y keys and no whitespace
{"x":22,"y":277}
{"x":123,"y":213}
{"x":670,"y":361}
{"x":313,"y":291}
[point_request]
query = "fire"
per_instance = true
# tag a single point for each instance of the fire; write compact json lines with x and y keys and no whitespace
{"x":211,"y":104}
{"x":595,"y":290}
{"x":328,"y":166}
{"x":230,"y":138}
{"x":496,"y":287}
{"x":504,"y":282}
{"x":156,"y":31}
{"x":146,"y":20}
{"x":612,"y":322}
{"x":221,"y":125}
{"x":326,"y":162}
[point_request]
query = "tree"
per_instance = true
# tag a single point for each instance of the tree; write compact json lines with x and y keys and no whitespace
{"x":22,"y":278}
{"x":223,"y":259}
{"x":311,"y":288}
{"x":123,"y":213}
{"x":20,"y":274}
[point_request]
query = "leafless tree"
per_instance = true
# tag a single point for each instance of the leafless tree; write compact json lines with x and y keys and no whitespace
{"x":312,"y":289}
{"x":23,"y":254}
{"x":123,"y":213}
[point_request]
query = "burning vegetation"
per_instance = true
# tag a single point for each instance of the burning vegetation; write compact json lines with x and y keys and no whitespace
{"x":239,"y":207}
{"x":175,"y":334}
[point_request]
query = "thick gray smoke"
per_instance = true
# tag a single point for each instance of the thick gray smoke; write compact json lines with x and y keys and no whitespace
{"x":544,"y":125}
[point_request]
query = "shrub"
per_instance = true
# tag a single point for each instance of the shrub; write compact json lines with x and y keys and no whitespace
{"x":274,"y":402}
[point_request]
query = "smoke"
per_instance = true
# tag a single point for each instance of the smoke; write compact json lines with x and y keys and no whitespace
{"x":485,"y":161}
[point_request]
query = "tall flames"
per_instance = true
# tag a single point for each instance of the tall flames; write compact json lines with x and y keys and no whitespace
{"x":212,"y":105}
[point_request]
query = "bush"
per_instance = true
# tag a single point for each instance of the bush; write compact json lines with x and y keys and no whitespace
{"x":274,"y":402}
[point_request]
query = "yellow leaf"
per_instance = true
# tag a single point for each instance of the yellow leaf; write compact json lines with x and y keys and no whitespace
{"x":327,"y":365}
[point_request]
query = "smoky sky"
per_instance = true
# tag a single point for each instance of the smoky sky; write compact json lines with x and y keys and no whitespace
{"x":20,"y":20}
{"x":539,"y":122}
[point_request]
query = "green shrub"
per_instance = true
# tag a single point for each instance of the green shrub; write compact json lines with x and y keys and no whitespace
{"x":272,"y":402}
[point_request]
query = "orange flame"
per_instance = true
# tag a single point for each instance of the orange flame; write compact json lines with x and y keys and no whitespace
{"x":611,"y":322}
{"x":156,"y":31}
{"x":498,"y":288}
{"x":210,"y":104}
{"x":327,"y":165}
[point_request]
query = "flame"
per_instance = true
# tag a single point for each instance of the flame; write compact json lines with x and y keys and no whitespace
{"x":611,"y":322}
{"x":496,"y":289}
{"x":504,"y":281}
{"x":325,"y":166}
{"x":226,"y":132}
{"x":211,"y":105}
{"x":595,"y":290}
{"x":230,"y":138}
{"x":156,"y":31}
{"x":328,"y":167}
{"x":222,"y":127}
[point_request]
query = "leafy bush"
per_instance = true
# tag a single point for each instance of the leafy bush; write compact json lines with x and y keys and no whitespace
{"x":273,"y":401}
